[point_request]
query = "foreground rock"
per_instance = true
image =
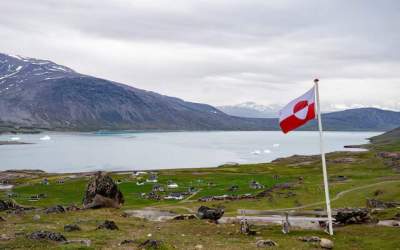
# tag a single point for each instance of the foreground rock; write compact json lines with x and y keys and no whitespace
{"x":2,"y":219}
{"x":348,"y":216}
{"x":71,"y":228}
{"x":47,"y":235}
{"x":101,"y":191}
{"x":310,"y":239}
{"x":325,"y":243}
{"x":207,"y":213}
{"x":108,"y":224}
{"x":151,"y":244}
{"x":57,"y":209}
{"x":372,"y":203}
{"x":266,"y":243}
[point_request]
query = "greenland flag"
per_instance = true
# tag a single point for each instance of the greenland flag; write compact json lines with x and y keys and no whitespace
{"x":298,"y":112}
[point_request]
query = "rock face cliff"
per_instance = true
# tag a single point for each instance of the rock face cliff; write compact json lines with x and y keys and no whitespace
{"x":40,"y":93}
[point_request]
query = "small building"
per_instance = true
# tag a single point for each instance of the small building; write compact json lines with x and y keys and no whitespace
{"x":158,"y":188}
{"x":233,"y":188}
{"x":255,"y":185}
{"x":192,"y":190}
{"x":172,"y":184}
{"x":139,"y":183}
{"x":60,"y":181}
{"x":137,"y":173}
{"x":174,"y":196}
{"x":152,"y":178}
{"x":45,"y":181}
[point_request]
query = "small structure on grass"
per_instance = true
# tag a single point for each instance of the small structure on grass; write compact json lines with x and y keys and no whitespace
{"x":255,"y":185}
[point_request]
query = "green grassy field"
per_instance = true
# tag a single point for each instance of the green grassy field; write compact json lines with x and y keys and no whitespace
{"x":365,"y":175}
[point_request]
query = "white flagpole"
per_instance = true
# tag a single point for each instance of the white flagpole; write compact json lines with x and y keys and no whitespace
{"x":321,"y":143}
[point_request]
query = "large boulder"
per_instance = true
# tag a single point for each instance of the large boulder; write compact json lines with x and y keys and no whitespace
{"x":57,"y":209}
{"x":210,"y":213}
{"x":353,"y":216}
{"x":373,"y":203}
{"x":101,"y":191}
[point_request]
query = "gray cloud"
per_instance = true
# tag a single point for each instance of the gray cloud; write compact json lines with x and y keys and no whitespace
{"x":220,"y":52}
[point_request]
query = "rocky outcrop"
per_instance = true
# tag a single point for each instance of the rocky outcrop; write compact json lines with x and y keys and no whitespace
{"x":372,"y":203}
{"x":348,"y":216}
{"x":101,"y":191}
{"x":266,"y":243}
{"x":207,"y":213}
{"x":47,"y":235}
{"x":71,"y":228}
{"x":108,"y":224}
{"x":57,"y":209}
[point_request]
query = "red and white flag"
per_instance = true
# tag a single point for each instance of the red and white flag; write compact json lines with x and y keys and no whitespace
{"x":298,"y":112}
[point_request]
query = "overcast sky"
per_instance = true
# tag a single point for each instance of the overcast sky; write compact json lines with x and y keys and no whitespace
{"x":220,"y":52}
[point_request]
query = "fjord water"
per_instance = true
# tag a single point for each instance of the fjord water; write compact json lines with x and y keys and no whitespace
{"x":78,"y":152}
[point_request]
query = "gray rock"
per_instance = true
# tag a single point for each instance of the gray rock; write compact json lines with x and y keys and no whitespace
{"x":151,"y":244}
{"x":47,"y":235}
{"x":325,"y":243}
{"x":57,"y":209}
{"x":71,"y":228}
{"x":310,"y":239}
{"x":210,"y":213}
{"x":36,"y":217}
{"x":108,"y":224}
{"x":266,"y":243}
{"x":353,"y":216}
{"x":101,"y":191}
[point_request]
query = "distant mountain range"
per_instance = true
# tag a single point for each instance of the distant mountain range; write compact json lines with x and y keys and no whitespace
{"x":251,"y":110}
{"x":38,"y":93}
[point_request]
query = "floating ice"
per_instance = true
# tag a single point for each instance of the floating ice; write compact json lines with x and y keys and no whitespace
{"x":45,"y":138}
{"x":275,"y":145}
{"x":15,"y":138}
{"x":267,"y":151}
{"x":256,"y":152}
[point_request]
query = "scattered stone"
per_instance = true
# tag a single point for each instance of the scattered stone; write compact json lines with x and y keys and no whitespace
{"x":101,"y":191}
{"x":338,"y":178}
{"x":198,"y":247}
{"x":389,"y":223}
{"x":245,"y":228}
{"x":396,"y":216}
{"x":8,"y":205}
{"x":266,"y":243}
{"x":390,"y":155}
{"x":185,"y":217}
{"x":353,"y":216}
{"x":2,"y":219}
{"x":213,"y":214}
{"x":71,"y":228}
{"x":325,"y":243}
{"x":233,"y":188}
{"x":4,"y":237}
{"x":226,"y":197}
{"x":124,"y":242}
{"x":72,"y":208}
{"x":85,"y":242}
{"x":372,"y":203}
{"x":57,"y":209}
{"x":344,"y":160}
{"x":47,"y":235}
{"x":108,"y":224}
{"x":310,"y":239}
{"x":36,"y":217}
{"x":378,"y":192}
{"x":151,"y":244}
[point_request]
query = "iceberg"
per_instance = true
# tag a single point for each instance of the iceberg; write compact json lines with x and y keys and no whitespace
{"x":45,"y":138}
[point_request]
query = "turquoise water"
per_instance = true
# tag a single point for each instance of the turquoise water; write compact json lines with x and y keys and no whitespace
{"x":75,"y":152}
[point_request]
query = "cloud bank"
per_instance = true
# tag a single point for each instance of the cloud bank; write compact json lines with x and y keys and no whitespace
{"x":220,"y":52}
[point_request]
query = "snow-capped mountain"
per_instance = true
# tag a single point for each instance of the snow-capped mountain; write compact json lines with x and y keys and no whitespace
{"x":252,"y":110}
{"x":41,"y":93}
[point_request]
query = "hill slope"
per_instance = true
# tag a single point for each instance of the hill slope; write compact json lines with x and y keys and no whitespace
{"x":41,"y":94}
